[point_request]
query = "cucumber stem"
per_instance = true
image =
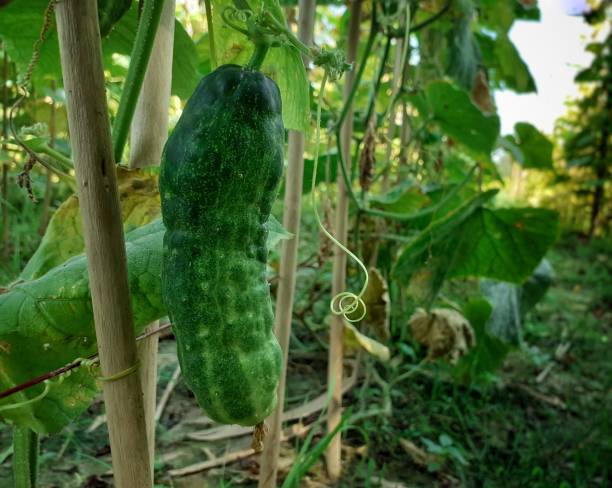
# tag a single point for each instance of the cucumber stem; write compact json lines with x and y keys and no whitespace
{"x":258,"y":56}
{"x":25,"y":457}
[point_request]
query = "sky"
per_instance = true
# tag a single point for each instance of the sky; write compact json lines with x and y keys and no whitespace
{"x":554,"y":51}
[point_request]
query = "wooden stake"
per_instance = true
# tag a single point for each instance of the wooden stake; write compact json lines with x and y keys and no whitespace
{"x":149,"y":131}
{"x":336,"y":352}
{"x":288,"y":265}
{"x":81,"y":57}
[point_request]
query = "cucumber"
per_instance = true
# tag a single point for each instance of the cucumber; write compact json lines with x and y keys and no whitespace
{"x":220,"y":172}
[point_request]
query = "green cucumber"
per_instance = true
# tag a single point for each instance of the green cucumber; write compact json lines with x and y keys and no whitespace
{"x":219,"y":177}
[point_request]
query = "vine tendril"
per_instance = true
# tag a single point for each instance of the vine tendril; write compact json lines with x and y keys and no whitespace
{"x":346,"y":302}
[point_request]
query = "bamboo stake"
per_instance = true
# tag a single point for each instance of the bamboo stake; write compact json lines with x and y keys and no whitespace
{"x":336,"y":352}
{"x":81,"y":57}
{"x":288,"y":266}
{"x":149,"y":131}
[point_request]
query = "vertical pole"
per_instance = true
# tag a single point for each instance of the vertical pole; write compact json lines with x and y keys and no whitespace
{"x":336,"y":352}
{"x":149,"y":131}
{"x":88,"y":122}
{"x":286,"y":286}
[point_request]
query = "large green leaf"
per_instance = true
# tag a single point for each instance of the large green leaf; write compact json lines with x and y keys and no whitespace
{"x":425,"y":261}
{"x":507,"y":69}
{"x":503,"y":244}
{"x":283,"y":64}
{"x":48,"y":322}
{"x":20,"y":23}
{"x":460,"y":119}
{"x":407,"y":197}
{"x":496,"y":15}
{"x":535,"y":147}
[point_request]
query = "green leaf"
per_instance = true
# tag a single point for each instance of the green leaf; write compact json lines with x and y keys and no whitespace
{"x":184,"y":63}
{"x":283,"y":64}
{"x":497,"y":15}
{"x":535,"y":147}
{"x":460,"y":119}
{"x":276,"y":232}
{"x":406,"y":197}
{"x":330,"y":158}
{"x":418,"y":258}
{"x":489,"y":353}
{"x":507,"y":70}
{"x":48,"y":322}
{"x":504,"y":244}
{"x":20,"y":23}
{"x":527,"y":10}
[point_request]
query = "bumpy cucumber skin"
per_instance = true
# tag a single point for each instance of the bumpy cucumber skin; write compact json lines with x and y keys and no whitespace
{"x":219,"y":177}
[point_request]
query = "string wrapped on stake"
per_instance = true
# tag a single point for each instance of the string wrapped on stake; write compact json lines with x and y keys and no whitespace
{"x":346,"y":303}
{"x":89,"y":364}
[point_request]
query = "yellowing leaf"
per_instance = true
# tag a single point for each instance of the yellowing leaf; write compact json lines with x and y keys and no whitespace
{"x":355,"y":339}
{"x":376,"y":299}
{"x":139,"y":197}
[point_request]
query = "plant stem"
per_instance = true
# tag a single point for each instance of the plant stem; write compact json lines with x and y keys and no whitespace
{"x":4,"y":185}
{"x":377,"y":81}
{"x":25,"y":457}
{"x":141,"y":51}
{"x":65,"y":161}
{"x":259,"y":54}
{"x":211,"y":33}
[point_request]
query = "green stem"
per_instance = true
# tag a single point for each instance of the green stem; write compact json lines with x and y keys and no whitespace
{"x":359,"y":75}
{"x":25,"y":457}
{"x":65,"y":161}
{"x":259,"y":54}
{"x":141,"y":52}
{"x":377,"y":80}
{"x":211,"y":33}
{"x":299,"y":45}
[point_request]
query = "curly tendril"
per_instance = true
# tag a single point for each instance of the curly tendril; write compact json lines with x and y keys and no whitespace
{"x":345,"y":303}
